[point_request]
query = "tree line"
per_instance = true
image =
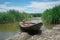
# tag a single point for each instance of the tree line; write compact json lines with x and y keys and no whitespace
{"x":36,"y":14}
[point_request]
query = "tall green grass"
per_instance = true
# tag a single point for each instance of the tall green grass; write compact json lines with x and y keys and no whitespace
{"x":12,"y":16}
{"x":51,"y":16}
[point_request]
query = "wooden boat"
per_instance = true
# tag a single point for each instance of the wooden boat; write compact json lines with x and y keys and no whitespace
{"x":30,"y":27}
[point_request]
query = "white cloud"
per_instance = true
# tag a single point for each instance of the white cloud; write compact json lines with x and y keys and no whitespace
{"x":42,"y":5}
{"x":32,"y":7}
{"x":2,"y":5}
{"x":16,"y":8}
{"x":5,"y":7}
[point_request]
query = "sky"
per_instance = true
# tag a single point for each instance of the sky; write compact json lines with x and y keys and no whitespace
{"x":29,"y":6}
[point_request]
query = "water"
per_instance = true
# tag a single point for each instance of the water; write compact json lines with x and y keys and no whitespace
{"x":36,"y":20}
{"x":10,"y":30}
{"x":5,"y":35}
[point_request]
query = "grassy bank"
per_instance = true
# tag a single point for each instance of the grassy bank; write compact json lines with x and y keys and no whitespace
{"x":10,"y":27}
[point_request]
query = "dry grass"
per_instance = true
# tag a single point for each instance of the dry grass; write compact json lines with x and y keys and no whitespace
{"x":49,"y":26}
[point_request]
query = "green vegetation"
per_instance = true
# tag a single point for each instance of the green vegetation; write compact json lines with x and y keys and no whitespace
{"x":13,"y":16}
{"x":51,"y":16}
{"x":6,"y":18}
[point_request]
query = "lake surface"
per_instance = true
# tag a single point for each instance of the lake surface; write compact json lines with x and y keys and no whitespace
{"x":8,"y":30}
{"x":5,"y":35}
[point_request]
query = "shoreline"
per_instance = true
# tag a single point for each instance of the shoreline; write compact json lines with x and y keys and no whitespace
{"x":46,"y":35}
